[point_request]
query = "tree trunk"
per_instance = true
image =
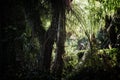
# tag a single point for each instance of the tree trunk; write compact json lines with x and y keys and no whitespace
{"x":49,"y":41}
{"x":57,"y":7}
{"x":61,"y":35}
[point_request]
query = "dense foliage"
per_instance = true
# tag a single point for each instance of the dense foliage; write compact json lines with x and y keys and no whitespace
{"x":60,"y":40}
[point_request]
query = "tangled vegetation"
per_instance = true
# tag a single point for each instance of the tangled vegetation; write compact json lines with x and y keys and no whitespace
{"x":60,"y":40}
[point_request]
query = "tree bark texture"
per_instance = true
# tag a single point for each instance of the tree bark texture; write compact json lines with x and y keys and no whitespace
{"x":49,"y":41}
{"x":61,"y":36}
